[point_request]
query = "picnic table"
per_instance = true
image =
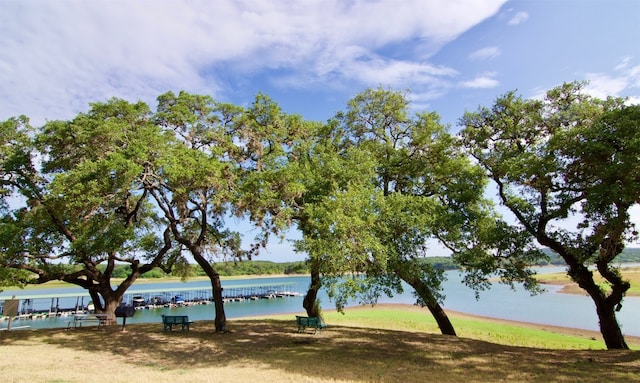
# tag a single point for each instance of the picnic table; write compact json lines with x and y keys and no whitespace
{"x":81,"y":318}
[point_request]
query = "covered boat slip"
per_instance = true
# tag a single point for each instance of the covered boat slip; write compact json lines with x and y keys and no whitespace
{"x":198,"y":295}
{"x":35,"y":305}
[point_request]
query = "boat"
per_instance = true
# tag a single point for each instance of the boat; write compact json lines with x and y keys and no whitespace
{"x":178,"y":300}
{"x":138,"y":302}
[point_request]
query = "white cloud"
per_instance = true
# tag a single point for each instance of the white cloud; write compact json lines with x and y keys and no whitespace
{"x":421,"y":101}
{"x":623,"y":82}
{"x":486,"y":80}
{"x":623,"y":64}
{"x":395,"y":73}
{"x":634,"y":100}
{"x":57,"y":56}
{"x":518,"y":18}
{"x":341,"y":70}
{"x":485,"y":53}
{"x":603,"y":85}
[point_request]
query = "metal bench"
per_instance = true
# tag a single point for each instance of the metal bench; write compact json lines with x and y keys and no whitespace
{"x":168,"y":321}
{"x":310,"y":322}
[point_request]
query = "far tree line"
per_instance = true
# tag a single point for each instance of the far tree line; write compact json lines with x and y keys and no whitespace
{"x":256,"y":267}
{"x":369,"y":190}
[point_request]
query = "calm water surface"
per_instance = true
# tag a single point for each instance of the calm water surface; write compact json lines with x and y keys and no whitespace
{"x":500,"y":301}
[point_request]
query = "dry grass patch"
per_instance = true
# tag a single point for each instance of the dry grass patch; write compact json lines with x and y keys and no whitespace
{"x":632,"y":274}
{"x":270,"y":350}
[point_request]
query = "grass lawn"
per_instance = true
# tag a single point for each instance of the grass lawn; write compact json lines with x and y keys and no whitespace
{"x":390,"y":343}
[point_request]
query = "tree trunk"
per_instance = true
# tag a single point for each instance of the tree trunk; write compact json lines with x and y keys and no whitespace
{"x":216,"y":287}
{"x":609,"y":327}
{"x":430,"y":301}
{"x":106,"y":301}
{"x":605,"y":305}
{"x":110,"y":309}
{"x":309,"y":302}
{"x":221,"y":318}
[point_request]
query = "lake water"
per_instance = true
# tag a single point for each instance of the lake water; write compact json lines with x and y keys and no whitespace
{"x":500,"y":301}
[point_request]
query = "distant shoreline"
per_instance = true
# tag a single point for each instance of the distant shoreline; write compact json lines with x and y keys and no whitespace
{"x":568,"y":287}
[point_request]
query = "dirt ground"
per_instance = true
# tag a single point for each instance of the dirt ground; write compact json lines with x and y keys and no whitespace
{"x":271,"y":350}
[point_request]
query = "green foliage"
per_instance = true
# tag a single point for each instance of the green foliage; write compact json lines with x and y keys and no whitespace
{"x":77,"y":209}
{"x":381,"y":185}
{"x":261,"y":268}
{"x":120,"y":191}
{"x":440,"y":263}
{"x":226,"y":269}
{"x":628,"y":255}
{"x":122,"y":271}
{"x":11,"y":277}
{"x":567,"y":157}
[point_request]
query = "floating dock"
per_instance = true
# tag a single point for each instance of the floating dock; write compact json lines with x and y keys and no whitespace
{"x":35,"y":306}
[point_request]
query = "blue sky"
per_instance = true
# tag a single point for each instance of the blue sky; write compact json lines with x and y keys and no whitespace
{"x":311,"y":56}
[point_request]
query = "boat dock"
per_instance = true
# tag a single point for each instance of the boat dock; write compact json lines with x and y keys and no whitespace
{"x":153,"y":298}
{"x":35,"y":306}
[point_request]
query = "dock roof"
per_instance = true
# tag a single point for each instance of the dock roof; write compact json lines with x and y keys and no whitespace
{"x":133,"y":291}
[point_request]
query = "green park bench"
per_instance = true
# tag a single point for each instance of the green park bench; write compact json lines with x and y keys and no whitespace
{"x":309,"y":322}
{"x":168,"y":321}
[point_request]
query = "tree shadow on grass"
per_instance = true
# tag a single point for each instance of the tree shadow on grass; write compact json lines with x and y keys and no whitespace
{"x":340,"y":353}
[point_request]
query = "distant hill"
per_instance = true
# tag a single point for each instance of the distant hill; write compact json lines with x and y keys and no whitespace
{"x":631,"y":254}
{"x":228,"y":269}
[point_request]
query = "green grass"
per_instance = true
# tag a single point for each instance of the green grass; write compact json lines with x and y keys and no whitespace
{"x":524,"y":336}
{"x":402,"y":318}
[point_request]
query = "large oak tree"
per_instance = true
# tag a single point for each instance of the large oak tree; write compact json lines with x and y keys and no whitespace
{"x":72,"y":195}
{"x":226,"y":162}
{"x":400,"y":184}
{"x":193,"y":183}
{"x":566,"y":167}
